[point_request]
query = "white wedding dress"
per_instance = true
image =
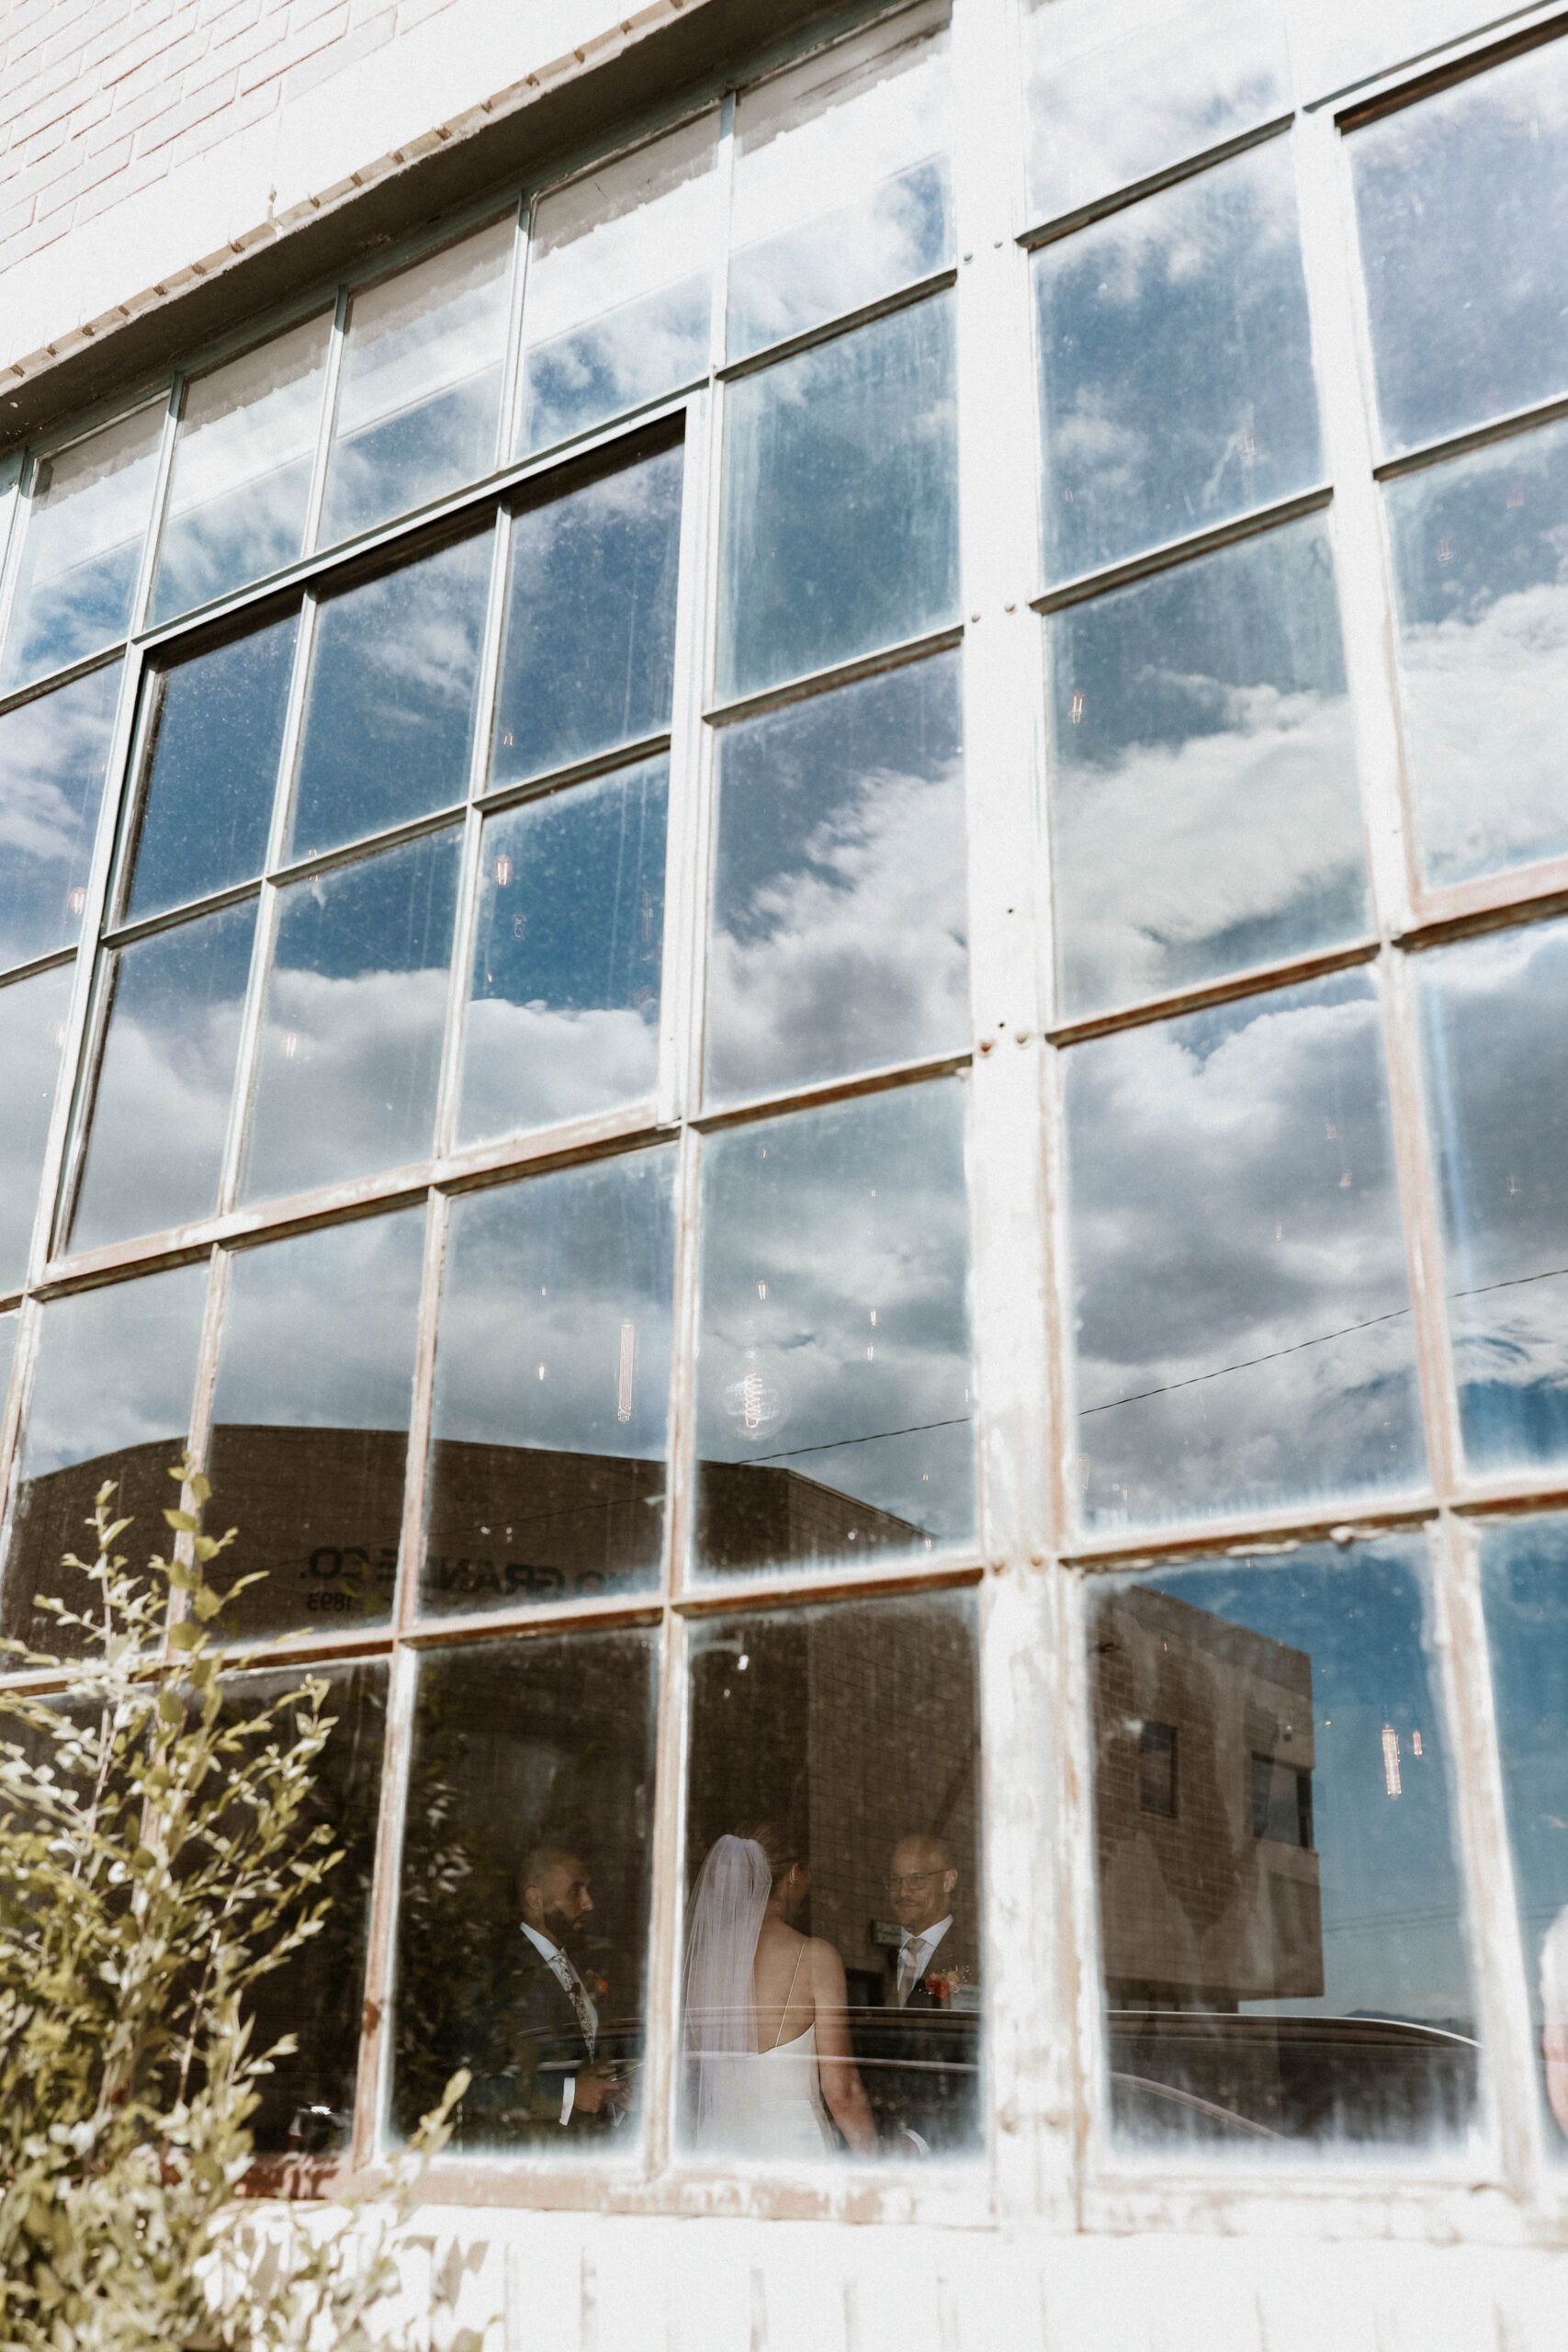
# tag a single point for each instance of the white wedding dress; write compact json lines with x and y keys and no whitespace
{"x":744,"y":2102}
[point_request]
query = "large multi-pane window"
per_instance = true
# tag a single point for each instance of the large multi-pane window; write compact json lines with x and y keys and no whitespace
{"x":782,"y":940}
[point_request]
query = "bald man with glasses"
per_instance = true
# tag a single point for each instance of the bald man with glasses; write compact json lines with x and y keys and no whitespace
{"x":924,"y":2085}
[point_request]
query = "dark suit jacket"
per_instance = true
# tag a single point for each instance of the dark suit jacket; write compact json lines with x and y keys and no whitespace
{"x":531,"y":2042}
{"x":924,"y":2069}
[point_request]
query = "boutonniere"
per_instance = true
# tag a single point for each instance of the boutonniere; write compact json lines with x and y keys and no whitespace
{"x":942,"y":1982}
{"x":597,"y":1985}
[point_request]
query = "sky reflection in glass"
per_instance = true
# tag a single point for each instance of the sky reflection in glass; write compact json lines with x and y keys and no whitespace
{"x":419,"y":398}
{"x":32,"y":1032}
{"x":1495,"y":1024}
{"x":835,"y":1416}
{"x":1177,"y":385}
{"x":840,"y":501}
{"x":1462,"y":202}
{"x":866,"y":120}
{"x":616,"y":305}
{"x":160,"y":1105}
{"x":389,"y":708}
{"x":1204,"y":810}
{"x":563,"y":1001}
{"x":587,"y":659}
{"x":838,"y":933}
{"x":240,"y":481}
{"x":1480,"y":576}
{"x":552,"y":1384}
{"x":53,"y":759}
{"x":350,"y":1051}
{"x":211,"y":765}
{"x":1243,"y":1337}
{"x":1174,"y":82}
{"x":82,"y":528}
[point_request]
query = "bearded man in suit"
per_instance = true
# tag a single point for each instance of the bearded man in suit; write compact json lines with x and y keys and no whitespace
{"x":543,"y":2075}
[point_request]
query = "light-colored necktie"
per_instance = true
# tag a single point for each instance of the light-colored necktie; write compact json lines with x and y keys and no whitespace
{"x":567,"y":1976}
{"x":909,"y":1972}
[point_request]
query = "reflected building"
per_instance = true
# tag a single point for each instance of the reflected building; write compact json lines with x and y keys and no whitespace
{"x":1208,"y":1888}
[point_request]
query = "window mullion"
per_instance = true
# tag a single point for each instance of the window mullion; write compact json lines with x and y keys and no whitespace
{"x":1029,"y":2005}
{"x":333,"y":373}
{"x":374,"y":2080}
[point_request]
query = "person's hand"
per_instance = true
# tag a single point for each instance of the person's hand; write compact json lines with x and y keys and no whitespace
{"x":597,"y":2088}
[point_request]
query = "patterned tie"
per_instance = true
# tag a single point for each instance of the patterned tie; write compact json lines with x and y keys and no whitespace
{"x":578,"y":1997}
{"x":908,"y":1967}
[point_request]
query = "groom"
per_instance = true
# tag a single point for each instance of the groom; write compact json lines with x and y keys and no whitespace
{"x":546,"y":2078}
{"x":929,"y":2081}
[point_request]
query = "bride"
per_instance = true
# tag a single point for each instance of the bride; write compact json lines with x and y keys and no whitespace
{"x":767,"y":2039}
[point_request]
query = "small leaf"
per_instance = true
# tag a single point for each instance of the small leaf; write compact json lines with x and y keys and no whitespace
{"x":187,"y":1635}
{"x":184,"y":1522}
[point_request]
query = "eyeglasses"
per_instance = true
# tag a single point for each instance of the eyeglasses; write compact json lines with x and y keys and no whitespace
{"x":911,"y":1881}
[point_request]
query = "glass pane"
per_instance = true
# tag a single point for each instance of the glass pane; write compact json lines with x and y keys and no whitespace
{"x":213,"y":737}
{"x":563,"y":1000}
{"x":111,"y":1400}
{"x":161,"y":1107}
{"x":552,"y":1381}
{"x":350,"y":1052}
{"x":587,"y":659}
{"x":835,"y":1384}
{"x":1462,"y":202}
{"x":1340,"y":42}
{"x":1176,"y":365}
{"x":840,"y":501}
{"x":1204,"y":810}
{"x":616,"y":308}
{"x":1171,"y":83}
{"x":308,"y":1442}
{"x":53,"y":759}
{"x":82,"y":528}
{"x":307,"y":2101}
{"x":1496,"y":1059}
{"x":1524,"y":1589}
{"x":1281,"y":1924}
{"x":240,"y":481}
{"x":1245,"y":1154}
{"x":838,"y":933}
{"x":1482,"y":629}
{"x":833,"y":1968}
{"x":419,"y":398}
{"x":389,"y":709}
{"x":531,"y":1793}
{"x":32,"y":1030}
{"x":865,"y":121}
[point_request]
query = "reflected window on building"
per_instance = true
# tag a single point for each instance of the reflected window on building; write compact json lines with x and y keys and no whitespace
{"x":1246,"y":1153}
{"x":1282,"y":1925}
{"x":53,"y":759}
{"x":1496,"y":1063}
{"x":835,"y":1384}
{"x":317,"y":1996}
{"x":111,"y":1401}
{"x":1483,"y":609}
{"x":617,"y":300}
{"x":1524,"y":1590}
{"x":523,"y":1919}
{"x":82,"y":524}
{"x":863,"y":124}
{"x":840,"y":501}
{"x":1203,"y":800}
{"x":419,"y":397}
{"x":832,"y":1977}
{"x":1106,"y":112}
{"x":564,"y":989}
{"x":32,"y":1034}
{"x":1462,"y":203}
{"x":547,"y":1467}
{"x":170,"y":1012}
{"x":838,"y":935}
{"x":241,"y":482}
{"x":1175,"y":364}
{"x":310,"y":1422}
